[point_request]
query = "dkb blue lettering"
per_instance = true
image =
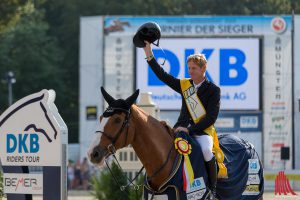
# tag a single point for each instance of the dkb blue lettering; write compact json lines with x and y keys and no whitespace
{"x":174,"y":66}
{"x":11,"y":143}
{"x":226,"y":66}
{"x":193,"y":184}
{"x":198,"y":182}
{"x":34,"y":143}
{"x":22,"y":143}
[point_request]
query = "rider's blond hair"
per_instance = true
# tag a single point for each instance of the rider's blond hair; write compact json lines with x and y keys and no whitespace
{"x":198,"y":58}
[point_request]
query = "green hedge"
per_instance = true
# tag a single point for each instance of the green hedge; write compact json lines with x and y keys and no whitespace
{"x":1,"y":185}
{"x":104,"y":186}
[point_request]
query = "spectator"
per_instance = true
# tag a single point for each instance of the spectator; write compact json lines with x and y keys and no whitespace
{"x":78,"y":177}
{"x":71,"y":175}
{"x":85,"y":172}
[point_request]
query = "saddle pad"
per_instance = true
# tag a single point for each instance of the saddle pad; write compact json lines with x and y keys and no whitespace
{"x":245,"y":172}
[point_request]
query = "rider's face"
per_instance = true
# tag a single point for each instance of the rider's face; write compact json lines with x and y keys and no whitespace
{"x":195,"y":71}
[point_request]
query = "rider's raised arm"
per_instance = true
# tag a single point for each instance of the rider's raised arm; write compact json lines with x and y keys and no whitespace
{"x":168,"y":79}
{"x":212,"y":111}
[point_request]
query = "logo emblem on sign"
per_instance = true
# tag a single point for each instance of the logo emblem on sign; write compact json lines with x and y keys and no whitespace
{"x":254,"y":166}
{"x":278,"y":25}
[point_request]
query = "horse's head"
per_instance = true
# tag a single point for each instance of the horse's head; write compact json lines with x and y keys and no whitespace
{"x":114,"y":130}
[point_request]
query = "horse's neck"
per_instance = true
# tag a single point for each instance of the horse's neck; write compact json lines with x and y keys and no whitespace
{"x":152,"y":144}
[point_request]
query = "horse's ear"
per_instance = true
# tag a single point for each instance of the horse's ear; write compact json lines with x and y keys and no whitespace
{"x":109,"y":99}
{"x":130,"y":100}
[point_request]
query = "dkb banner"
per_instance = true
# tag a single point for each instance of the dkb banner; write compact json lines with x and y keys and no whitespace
{"x":32,"y":133}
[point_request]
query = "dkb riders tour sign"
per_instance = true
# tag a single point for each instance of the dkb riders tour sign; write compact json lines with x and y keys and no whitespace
{"x":32,"y":133}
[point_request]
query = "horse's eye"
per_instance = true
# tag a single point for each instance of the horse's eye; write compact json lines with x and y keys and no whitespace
{"x":117,"y":120}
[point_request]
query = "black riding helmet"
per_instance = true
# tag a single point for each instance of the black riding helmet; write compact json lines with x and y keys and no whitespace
{"x":149,"y":31}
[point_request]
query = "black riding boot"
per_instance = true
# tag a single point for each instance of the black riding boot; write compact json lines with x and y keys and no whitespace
{"x":212,"y":177}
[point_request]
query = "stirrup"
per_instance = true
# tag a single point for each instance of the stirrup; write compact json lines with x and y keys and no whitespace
{"x":211,"y":196}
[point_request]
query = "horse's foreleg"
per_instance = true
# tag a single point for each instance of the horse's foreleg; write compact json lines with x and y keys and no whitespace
{"x":261,"y":198}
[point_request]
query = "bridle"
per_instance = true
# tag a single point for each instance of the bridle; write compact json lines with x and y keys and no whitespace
{"x":111,"y":147}
{"x":111,"y":150}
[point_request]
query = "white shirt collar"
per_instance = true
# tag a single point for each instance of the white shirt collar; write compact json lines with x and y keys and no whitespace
{"x":198,"y":85}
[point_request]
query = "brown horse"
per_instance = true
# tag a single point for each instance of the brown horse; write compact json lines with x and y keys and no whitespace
{"x":149,"y":138}
{"x":153,"y":141}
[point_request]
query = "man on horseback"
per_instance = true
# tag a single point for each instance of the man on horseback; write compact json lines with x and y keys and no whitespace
{"x":200,"y":107}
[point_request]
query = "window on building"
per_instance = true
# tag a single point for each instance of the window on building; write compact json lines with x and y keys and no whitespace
{"x":135,"y":158}
{"x":130,"y":175}
{"x":131,"y":156}
{"x":125,"y":156}
{"x":121,"y":156}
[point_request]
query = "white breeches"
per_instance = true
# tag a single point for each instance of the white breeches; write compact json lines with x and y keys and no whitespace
{"x":206,"y":143}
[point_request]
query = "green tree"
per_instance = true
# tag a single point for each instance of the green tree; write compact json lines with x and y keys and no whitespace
{"x":31,"y":54}
{"x":9,"y":10}
{"x":1,"y":185}
{"x":137,"y":194}
{"x":63,"y":18}
{"x":105,"y":188}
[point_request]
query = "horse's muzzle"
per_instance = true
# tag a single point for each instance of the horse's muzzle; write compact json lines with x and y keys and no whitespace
{"x":97,"y":156}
